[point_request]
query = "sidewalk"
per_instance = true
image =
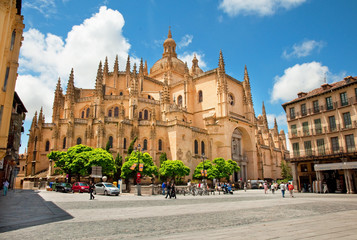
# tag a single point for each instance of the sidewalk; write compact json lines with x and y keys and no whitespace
{"x":24,"y":208}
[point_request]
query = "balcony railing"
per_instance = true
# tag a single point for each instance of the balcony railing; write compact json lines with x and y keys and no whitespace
{"x":310,"y":153}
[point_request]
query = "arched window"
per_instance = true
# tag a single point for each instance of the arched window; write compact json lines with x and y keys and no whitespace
{"x":110,"y":142}
{"x":13,"y":36}
{"x":140,"y":115}
{"x":124,"y":143}
{"x":47,"y":147}
{"x":87,"y":114}
{"x":82,"y":116}
{"x":179,"y":100}
{"x":110,"y":113}
{"x":231,"y":99}
{"x":64,"y":143}
{"x":116,"y":112}
{"x":145,"y":147}
{"x":146,"y":114}
{"x":121,"y":94}
{"x":79,"y":140}
{"x":196,"y":147}
{"x":202,"y":148}
{"x":200,"y":96}
{"x":160,"y":145}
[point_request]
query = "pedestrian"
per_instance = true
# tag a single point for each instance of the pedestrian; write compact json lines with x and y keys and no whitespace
{"x":163,"y":186}
{"x":173,"y":190}
{"x":168,"y":189}
{"x":282,"y":188}
{"x":265,"y":187}
{"x":291,"y":190}
{"x":91,"y":189}
{"x":245,"y":186}
{"x":272,"y":187}
{"x":6,"y":186}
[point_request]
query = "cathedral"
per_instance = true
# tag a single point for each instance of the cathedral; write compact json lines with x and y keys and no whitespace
{"x":189,"y":114}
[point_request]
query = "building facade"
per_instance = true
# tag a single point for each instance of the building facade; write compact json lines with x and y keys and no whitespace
{"x":187,"y":113}
{"x":11,"y":27}
{"x":322,"y":134}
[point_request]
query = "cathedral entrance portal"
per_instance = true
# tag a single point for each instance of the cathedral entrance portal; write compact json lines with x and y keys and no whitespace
{"x":237,"y":156}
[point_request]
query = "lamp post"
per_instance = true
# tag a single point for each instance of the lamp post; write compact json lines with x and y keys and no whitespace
{"x":138,"y":175}
{"x":203,"y":170}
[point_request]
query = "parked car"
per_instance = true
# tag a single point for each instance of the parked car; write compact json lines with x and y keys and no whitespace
{"x":106,"y":188}
{"x":80,"y":187}
{"x":63,"y":187}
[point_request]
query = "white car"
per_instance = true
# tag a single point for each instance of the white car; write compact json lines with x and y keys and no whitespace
{"x":106,"y":188}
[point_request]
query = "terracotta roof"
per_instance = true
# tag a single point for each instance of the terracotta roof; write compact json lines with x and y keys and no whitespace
{"x":324,"y":88}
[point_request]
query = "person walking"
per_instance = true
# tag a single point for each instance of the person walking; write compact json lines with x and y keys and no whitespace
{"x":291,"y":190}
{"x":282,"y":188}
{"x":163,"y":186}
{"x":245,"y":186}
{"x":168,"y":190}
{"x":173,"y":190}
{"x":272,"y":187}
{"x":91,"y":189}
{"x":6,"y":186}
{"x":265,"y":187}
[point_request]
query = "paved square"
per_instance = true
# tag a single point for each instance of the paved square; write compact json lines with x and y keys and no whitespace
{"x":244,"y":215}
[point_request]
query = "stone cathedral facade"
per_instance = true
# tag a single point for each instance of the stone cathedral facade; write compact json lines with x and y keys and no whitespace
{"x":187,"y":113}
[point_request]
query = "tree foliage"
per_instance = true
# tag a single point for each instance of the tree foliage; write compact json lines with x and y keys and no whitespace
{"x":174,"y":169}
{"x":137,"y":157}
{"x":163,"y":158}
{"x":118,"y":162}
{"x":131,"y":146}
{"x":285,"y":170}
{"x":79,"y":159}
{"x":217,"y":169}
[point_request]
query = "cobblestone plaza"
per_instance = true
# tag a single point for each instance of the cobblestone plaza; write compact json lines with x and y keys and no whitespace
{"x":244,"y":215}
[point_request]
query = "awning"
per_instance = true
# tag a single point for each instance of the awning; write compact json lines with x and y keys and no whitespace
{"x":335,"y":166}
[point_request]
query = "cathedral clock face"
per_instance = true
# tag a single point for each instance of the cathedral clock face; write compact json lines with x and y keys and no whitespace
{"x":231,"y":99}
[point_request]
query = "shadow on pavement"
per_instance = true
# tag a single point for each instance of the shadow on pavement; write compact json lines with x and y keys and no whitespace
{"x":26,"y":208}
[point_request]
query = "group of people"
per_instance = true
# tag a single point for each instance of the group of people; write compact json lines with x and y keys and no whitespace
{"x":225,"y":187}
{"x":169,"y":189}
{"x":286,"y":186}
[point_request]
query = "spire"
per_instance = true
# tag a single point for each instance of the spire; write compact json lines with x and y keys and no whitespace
{"x":41,"y":117}
{"x":141,"y":68}
{"x":106,"y":67}
{"x":34,"y":121}
{"x":128,"y":65}
{"x":246,"y":76}
{"x":116,"y":65}
{"x":265,"y":118}
{"x":246,"y":85}
{"x":186,"y":70}
{"x":169,"y":35}
{"x":70,"y":86}
{"x":221,"y":61}
{"x":276,"y":127}
{"x":194,"y":63}
{"x":99,"y":81}
{"x":58,"y":87}
{"x":146,"y":68}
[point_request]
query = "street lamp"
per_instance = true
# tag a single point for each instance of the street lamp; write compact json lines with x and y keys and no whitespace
{"x":203,"y":173}
{"x":138,"y":175}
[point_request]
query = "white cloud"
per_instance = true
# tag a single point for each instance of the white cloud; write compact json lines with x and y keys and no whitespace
{"x":257,"y":7}
{"x":44,"y":58}
{"x":185,"y":41}
{"x":45,"y":7}
{"x":304,"y":49}
{"x":188,"y":56}
{"x":299,"y":78}
{"x":280,"y":120}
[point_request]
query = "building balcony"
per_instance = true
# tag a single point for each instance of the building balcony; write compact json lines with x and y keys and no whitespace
{"x":321,"y":153}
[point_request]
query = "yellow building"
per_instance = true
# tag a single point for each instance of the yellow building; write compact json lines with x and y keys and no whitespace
{"x":11,"y":27}
{"x":187,"y":113}
{"x":322,"y":134}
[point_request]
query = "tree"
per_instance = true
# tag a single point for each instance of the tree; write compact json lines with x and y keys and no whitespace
{"x":225,"y":168}
{"x":108,"y":146}
{"x":118,"y":162}
{"x":163,"y":158}
{"x":285,"y":171}
{"x":131,"y":146}
{"x":135,"y":158}
{"x":174,"y":169}
{"x":79,"y":159}
{"x":207,"y":165}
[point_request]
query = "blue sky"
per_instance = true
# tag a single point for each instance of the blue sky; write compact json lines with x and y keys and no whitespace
{"x":288,"y":45}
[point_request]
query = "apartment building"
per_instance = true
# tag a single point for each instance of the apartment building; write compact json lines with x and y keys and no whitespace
{"x":322,"y":134}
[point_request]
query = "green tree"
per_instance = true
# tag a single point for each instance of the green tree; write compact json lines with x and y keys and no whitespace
{"x":206,"y":165}
{"x":285,"y":171}
{"x":131,"y":146}
{"x":225,"y":168}
{"x":174,"y":169}
{"x":137,"y":157}
{"x":163,"y":158}
{"x":100,"y":157}
{"x":118,"y":162}
{"x":108,"y":146}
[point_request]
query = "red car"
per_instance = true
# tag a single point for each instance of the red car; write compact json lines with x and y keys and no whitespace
{"x":80,"y":187}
